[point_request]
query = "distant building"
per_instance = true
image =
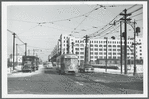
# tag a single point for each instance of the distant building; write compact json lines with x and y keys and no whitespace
{"x":18,"y":58}
{"x":96,"y":48}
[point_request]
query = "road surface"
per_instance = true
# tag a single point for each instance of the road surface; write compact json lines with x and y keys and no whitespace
{"x":48,"y":81}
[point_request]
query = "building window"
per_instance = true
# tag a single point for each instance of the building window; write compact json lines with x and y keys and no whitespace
{"x":96,"y":53}
{"x":114,"y":53}
{"x":100,"y":45}
{"x":110,"y":57}
{"x":110,"y":50}
{"x":104,"y":45}
{"x":77,"y":48}
{"x":81,"y":48}
{"x":109,"y":45}
{"x":81,"y":52}
{"x":118,"y":53}
{"x":114,"y":57}
{"x":100,"y":53}
{"x":96,"y":49}
{"x":114,"y":45}
{"x":77,"y":44}
{"x":105,"y":49}
{"x":110,"y":53}
{"x":91,"y":45}
{"x":96,"y":45}
{"x":114,"y":49}
{"x":100,"y":49}
{"x":81,"y":57}
{"x":77,"y":53}
{"x":118,"y":45}
{"x":82,"y":45}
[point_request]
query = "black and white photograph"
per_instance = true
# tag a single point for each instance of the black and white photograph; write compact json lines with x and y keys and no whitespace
{"x":78,"y":49}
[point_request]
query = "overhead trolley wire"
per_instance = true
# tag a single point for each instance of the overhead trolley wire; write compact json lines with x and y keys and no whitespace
{"x":110,"y":31}
{"x":136,"y":10}
{"x":136,"y":15}
{"x":113,"y":20}
{"x":20,"y":39}
{"x":131,"y":7}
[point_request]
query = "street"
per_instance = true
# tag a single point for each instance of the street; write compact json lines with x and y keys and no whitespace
{"x":48,"y":81}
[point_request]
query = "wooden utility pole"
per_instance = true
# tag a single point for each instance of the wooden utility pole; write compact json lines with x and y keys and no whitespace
{"x":121,"y":47}
{"x":86,"y":41}
{"x":125,"y":37}
{"x":13,"y":48}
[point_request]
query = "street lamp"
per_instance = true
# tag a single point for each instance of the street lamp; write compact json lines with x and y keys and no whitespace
{"x":107,"y":49}
{"x":136,"y":30}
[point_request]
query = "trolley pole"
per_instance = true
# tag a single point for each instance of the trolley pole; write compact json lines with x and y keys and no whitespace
{"x":13,"y":48}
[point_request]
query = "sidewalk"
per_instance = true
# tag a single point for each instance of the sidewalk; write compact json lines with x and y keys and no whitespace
{"x":113,"y":76}
{"x":130,"y":72}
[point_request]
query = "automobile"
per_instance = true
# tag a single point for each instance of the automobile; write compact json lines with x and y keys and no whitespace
{"x":49,"y":65}
{"x":89,"y":69}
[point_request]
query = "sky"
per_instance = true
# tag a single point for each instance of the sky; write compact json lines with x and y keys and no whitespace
{"x":40,"y":25}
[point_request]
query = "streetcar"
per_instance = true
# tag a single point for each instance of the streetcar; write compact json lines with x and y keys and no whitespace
{"x":30,"y":63}
{"x":67,"y":64}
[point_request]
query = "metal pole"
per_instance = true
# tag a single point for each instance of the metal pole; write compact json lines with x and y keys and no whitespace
{"x":25,"y":49}
{"x":121,"y":46}
{"x":106,"y":52}
{"x":33,"y":52}
{"x":125,"y":41}
{"x":16,"y":55}
{"x":134,"y":49}
{"x":28,"y":52}
{"x":13,"y":48}
{"x":85,"y":49}
{"x":90,"y":52}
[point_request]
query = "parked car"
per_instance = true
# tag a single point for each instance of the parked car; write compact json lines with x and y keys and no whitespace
{"x":89,"y":69}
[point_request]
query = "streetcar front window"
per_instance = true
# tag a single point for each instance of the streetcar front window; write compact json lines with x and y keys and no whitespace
{"x":68,"y":61}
